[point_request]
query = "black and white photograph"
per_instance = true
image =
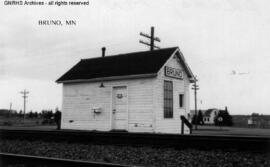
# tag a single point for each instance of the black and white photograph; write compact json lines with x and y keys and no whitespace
{"x":147,"y":83}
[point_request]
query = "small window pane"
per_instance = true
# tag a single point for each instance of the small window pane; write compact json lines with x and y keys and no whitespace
{"x":181,"y":100}
{"x":168,"y":99}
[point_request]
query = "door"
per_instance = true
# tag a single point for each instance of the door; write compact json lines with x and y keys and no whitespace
{"x":119,"y":108}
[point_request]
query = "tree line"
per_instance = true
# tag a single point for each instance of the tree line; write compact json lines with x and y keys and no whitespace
{"x":47,"y":114}
{"x":223,"y":118}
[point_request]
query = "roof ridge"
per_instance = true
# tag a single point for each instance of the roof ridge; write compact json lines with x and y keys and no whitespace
{"x":130,"y":53}
{"x":143,"y":62}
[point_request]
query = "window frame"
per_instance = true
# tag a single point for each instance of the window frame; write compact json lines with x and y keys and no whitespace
{"x":183,"y":100}
{"x":168,"y":99}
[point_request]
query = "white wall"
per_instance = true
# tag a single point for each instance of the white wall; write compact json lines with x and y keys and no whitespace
{"x":80,"y":98}
{"x":211,"y":118}
{"x":145,"y":104}
{"x":171,"y":125}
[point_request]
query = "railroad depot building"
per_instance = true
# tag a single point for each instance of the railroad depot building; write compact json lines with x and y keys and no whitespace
{"x":137,"y":92}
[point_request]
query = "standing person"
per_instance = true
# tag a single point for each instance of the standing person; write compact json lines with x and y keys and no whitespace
{"x":57,"y":119}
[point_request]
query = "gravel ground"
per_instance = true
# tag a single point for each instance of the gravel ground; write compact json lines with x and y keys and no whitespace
{"x":143,"y":156}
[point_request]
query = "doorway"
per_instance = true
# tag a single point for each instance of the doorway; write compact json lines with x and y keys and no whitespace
{"x":119,"y":108}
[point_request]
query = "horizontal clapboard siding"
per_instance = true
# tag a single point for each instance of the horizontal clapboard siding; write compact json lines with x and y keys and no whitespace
{"x":171,"y":125}
{"x":80,"y":98}
{"x":145,"y":103}
{"x":141,"y":106}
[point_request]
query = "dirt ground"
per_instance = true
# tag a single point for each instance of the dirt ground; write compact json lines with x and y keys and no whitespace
{"x":202,"y":130}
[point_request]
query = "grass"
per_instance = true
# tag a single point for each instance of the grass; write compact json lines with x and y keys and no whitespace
{"x":215,"y":130}
{"x":28,"y":123}
{"x":36,"y":123}
{"x":18,"y":121}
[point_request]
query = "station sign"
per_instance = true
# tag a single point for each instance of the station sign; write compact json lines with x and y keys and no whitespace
{"x":173,"y":72}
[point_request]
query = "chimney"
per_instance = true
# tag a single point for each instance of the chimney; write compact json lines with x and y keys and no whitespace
{"x":103,"y":51}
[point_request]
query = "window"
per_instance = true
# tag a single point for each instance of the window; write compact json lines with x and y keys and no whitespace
{"x":168,"y":99}
{"x":181,"y":100}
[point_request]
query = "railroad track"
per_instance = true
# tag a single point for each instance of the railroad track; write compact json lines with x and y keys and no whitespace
{"x":258,"y":144}
{"x":7,"y":159}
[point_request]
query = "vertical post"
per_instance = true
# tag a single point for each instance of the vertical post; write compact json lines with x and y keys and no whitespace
{"x":24,"y":103}
{"x":10,"y":108}
{"x":103,"y":49}
{"x":182,"y":126}
{"x":24,"y":107}
{"x":195,"y":94}
{"x":195,"y":88}
{"x":152,"y":39}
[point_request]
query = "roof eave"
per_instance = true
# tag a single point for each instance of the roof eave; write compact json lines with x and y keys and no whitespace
{"x":191,"y":76}
{"x":137,"y":76}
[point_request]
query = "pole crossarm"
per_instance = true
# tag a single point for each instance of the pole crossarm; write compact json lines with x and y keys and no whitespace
{"x":152,"y":39}
{"x":197,"y":88}
{"x":143,"y":42}
{"x":147,"y":36}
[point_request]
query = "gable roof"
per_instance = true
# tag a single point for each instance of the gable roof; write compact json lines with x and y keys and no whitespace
{"x":137,"y":63}
{"x":206,"y":113}
{"x":209,"y":111}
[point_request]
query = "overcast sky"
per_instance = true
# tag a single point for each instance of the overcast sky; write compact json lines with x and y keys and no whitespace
{"x":225,"y":42}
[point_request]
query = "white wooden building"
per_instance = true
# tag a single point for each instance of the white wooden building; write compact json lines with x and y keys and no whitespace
{"x":137,"y":92}
{"x":210,"y":115}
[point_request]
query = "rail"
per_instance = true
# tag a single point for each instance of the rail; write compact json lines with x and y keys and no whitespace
{"x":7,"y":159}
{"x":251,"y":143}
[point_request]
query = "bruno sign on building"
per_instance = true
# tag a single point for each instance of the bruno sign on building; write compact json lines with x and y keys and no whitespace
{"x":173,"y":72}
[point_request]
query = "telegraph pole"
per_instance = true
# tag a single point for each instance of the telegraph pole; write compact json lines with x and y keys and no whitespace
{"x":152,"y":39}
{"x":195,"y":88}
{"x":24,"y":102}
{"x":10,"y":109}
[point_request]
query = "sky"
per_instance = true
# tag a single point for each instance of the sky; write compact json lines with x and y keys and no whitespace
{"x":225,"y":43}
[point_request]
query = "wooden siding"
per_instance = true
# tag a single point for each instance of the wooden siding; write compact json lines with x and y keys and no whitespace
{"x":171,"y":125}
{"x":80,"y":98}
{"x":145,"y":103}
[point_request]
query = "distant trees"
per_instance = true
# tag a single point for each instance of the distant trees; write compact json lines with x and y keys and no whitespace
{"x":44,"y":117}
{"x":20,"y":114}
{"x":6,"y":113}
{"x":49,"y":117}
{"x":44,"y":114}
{"x":30,"y":114}
{"x":47,"y":114}
{"x":223,"y":118}
{"x":198,"y":120}
{"x":57,"y":118}
{"x":255,"y":114}
{"x":194,"y":120}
